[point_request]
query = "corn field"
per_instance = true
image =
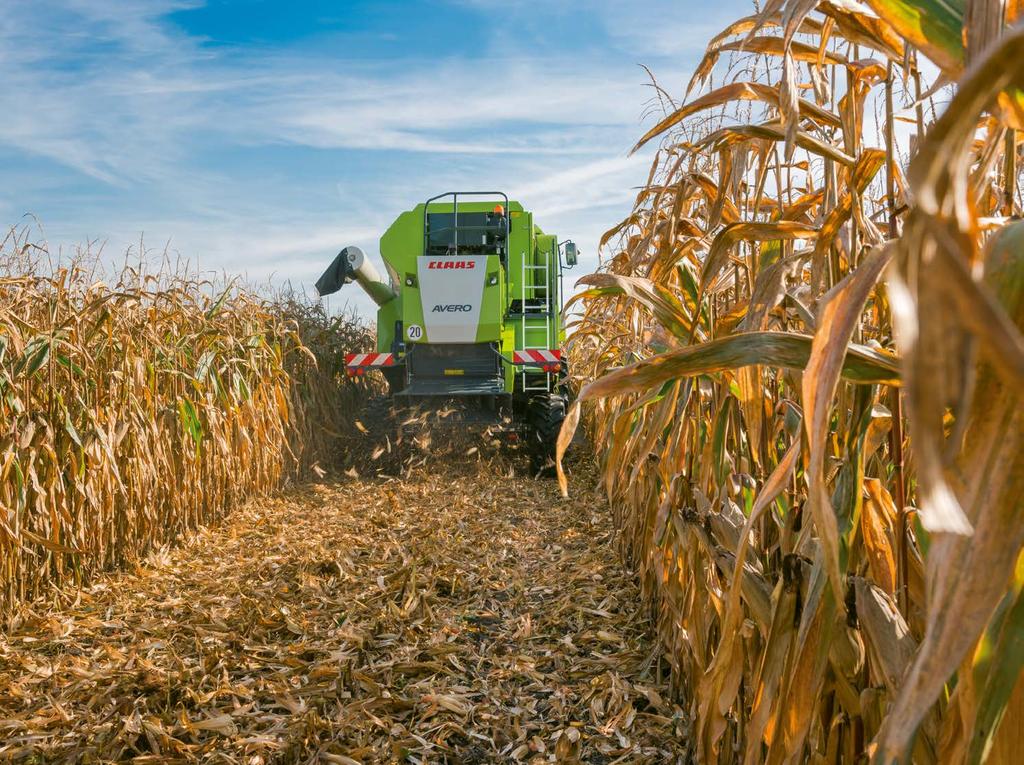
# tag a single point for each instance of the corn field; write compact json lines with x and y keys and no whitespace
{"x":803,"y":351}
{"x":136,"y":410}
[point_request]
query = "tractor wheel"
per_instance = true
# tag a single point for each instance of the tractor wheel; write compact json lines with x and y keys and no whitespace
{"x":544,"y":416}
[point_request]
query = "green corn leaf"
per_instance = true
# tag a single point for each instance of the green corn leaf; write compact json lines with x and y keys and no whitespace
{"x":36,"y":354}
{"x":70,"y":365}
{"x":998,"y":665}
{"x":219,"y":303}
{"x":718,"y":445}
{"x":190,"y":419}
{"x":935,"y":27}
{"x":70,"y":429}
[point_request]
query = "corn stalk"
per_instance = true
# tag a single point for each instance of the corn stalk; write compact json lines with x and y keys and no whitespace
{"x":136,"y":411}
{"x":804,"y":355}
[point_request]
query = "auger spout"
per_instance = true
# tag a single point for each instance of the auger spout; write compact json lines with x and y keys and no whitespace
{"x":352,"y":265}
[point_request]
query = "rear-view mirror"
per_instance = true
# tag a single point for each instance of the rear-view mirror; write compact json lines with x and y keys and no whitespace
{"x":570,"y":254}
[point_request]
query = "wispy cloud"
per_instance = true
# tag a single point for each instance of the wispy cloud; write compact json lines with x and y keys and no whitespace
{"x":122,"y":96}
{"x":267,"y":160}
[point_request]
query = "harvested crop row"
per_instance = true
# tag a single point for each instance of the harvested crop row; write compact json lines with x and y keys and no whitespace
{"x":465,"y":616}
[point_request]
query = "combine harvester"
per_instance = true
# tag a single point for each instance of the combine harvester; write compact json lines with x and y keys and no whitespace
{"x":471,"y":315}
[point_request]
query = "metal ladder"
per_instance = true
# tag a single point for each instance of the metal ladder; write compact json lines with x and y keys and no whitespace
{"x":536,"y":311}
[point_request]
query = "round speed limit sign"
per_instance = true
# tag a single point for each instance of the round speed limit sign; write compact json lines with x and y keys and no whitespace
{"x":415,"y":331}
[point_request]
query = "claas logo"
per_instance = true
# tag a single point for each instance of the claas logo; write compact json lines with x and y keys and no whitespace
{"x":452,"y":264}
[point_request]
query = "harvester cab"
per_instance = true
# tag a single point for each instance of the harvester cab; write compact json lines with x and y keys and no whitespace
{"x":471,"y":311}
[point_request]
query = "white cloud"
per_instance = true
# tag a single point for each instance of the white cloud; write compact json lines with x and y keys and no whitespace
{"x":127,"y":102}
{"x":132,"y":110}
{"x":71,"y":72}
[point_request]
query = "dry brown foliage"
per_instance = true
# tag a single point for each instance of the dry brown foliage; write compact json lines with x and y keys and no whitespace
{"x":804,"y":281}
{"x":461,"y":615}
{"x":136,"y":409}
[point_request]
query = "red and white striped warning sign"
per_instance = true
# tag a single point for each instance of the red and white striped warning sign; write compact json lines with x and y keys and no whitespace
{"x":536,"y":357}
{"x":369,"y":359}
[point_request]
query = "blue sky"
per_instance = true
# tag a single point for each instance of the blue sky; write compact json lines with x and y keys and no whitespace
{"x":259,"y":136}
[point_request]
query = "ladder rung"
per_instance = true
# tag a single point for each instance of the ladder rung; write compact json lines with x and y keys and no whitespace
{"x":535,"y":311}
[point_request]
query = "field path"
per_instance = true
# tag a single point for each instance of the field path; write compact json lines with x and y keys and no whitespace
{"x":468,"y":618}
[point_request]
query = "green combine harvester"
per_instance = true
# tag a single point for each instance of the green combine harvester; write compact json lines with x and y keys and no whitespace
{"x":471,"y":314}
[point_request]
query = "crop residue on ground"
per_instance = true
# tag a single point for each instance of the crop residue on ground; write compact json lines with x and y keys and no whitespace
{"x":452,"y":616}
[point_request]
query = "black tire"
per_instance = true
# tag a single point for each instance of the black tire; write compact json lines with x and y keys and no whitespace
{"x":544,"y":417}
